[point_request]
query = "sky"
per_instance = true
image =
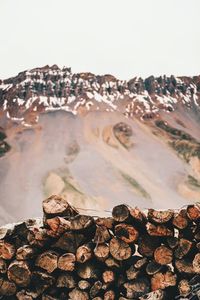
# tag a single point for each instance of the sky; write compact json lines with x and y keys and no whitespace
{"x":125,"y":38}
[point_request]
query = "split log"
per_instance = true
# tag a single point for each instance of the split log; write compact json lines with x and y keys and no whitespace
{"x":78,"y":294}
{"x":132,"y":273}
{"x":163,"y":280}
{"x":193,"y":212}
{"x":163,"y":255}
{"x":112,"y":263}
{"x":81,"y":222}
{"x":184,"y":247}
{"x":184,"y":266}
{"x":180,"y":219}
{"x":7,"y":288}
{"x":184,"y":288}
{"x":119,"y":249}
{"x":126,"y":233}
{"x":105,"y":222}
{"x":84,"y":253}
{"x":160,"y":217}
{"x":196,"y":263}
{"x":102,"y":251}
{"x":24,"y":295}
{"x":20,"y":273}
{"x":56,"y":206}
{"x":25,"y":252}
{"x":109,"y":295}
{"x":37,"y":237}
{"x":66,"y":262}
{"x":66,"y":280}
{"x":158,"y":230}
{"x":155,"y":295}
{"x":84,"y":285}
{"x":58,"y":225}
{"x":140,"y":263}
{"x":48,"y":261}
{"x":87,"y":270}
{"x":108,"y":276}
{"x":136,"y":288}
{"x":7,"y":250}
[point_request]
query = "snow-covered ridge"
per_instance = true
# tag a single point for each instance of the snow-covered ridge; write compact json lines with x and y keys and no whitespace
{"x":52,"y":88}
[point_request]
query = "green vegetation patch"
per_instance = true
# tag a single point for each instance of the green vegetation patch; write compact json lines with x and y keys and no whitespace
{"x":135,"y":184}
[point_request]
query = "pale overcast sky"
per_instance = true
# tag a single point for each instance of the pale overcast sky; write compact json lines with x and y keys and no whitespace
{"x":122,"y":37}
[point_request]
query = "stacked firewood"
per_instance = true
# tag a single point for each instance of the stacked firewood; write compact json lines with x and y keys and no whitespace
{"x":131,"y":255}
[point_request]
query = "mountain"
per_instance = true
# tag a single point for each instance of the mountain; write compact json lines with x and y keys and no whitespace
{"x":98,"y":141}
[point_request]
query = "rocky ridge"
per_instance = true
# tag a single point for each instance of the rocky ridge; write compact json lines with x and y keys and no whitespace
{"x":24,"y":96}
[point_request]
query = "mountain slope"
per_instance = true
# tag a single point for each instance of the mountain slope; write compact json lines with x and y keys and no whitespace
{"x":98,"y":140}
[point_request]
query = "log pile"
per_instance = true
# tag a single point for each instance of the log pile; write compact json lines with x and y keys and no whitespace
{"x":130,"y":255}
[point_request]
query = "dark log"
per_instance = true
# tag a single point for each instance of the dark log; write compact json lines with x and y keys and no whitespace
{"x":7,"y":250}
{"x":84,"y":253}
{"x":70,"y":241}
{"x":81,"y":222}
{"x":48,"y":261}
{"x":20,"y":273}
{"x":119,"y":249}
{"x":3,"y":266}
{"x":55,"y":206}
{"x":78,"y":294}
{"x":66,"y":262}
{"x":25,"y":252}
{"x":136,"y":288}
{"x":120,"y":213}
{"x":7,"y":288}
{"x":108,"y":276}
{"x":163,"y":255}
{"x":102,"y":251}
{"x":41,"y":281}
{"x":147,"y":245}
{"x":172,"y":242}
{"x":153,"y":268}
{"x":163,"y":280}
{"x":102,"y":235}
{"x":160,"y":217}
{"x":183,"y":248}
{"x":126,"y":233}
{"x":193,"y":212}
{"x":66,"y":280}
{"x":180,"y":219}
{"x":158,"y":230}
{"x":95,"y":289}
